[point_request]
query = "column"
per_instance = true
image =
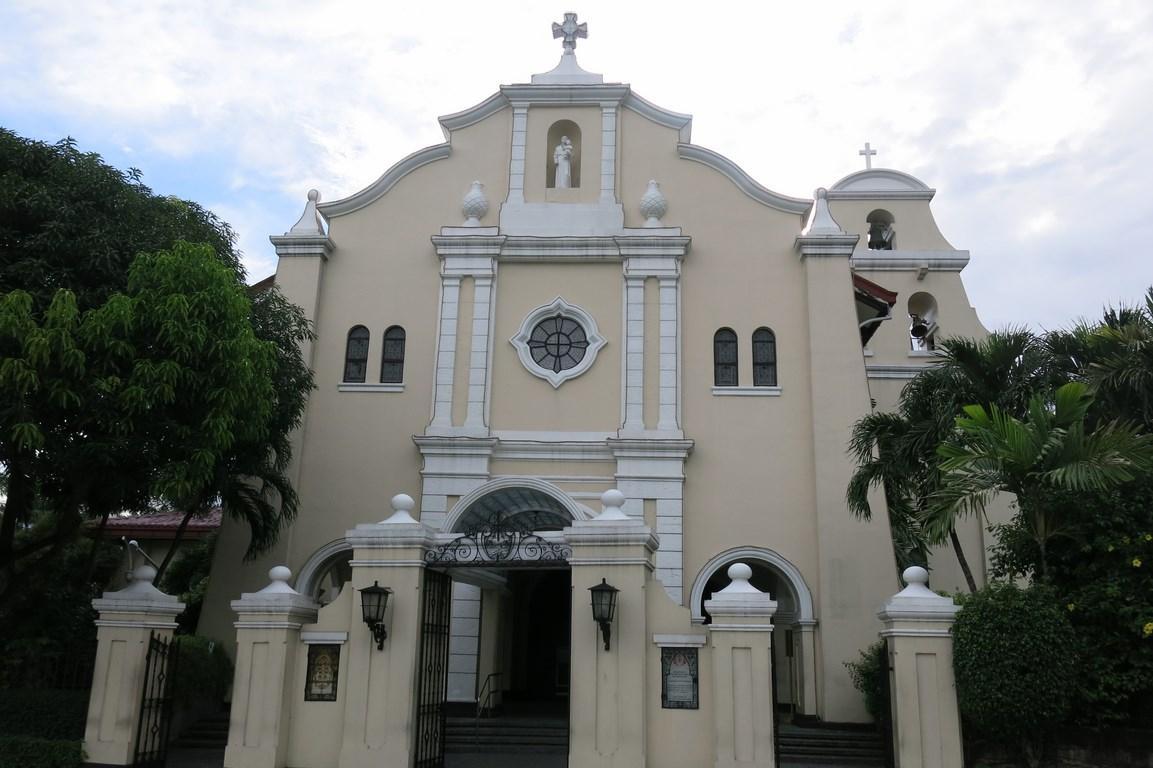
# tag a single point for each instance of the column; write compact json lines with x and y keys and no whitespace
{"x":670,"y":373}
{"x":634,"y":421}
{"x":741,"y":634}
{"x":380,"y":707}
{"x":446,"y":352}
{"x":264,"y":682}
{"x":608,"y":687}
{"x":608,"y":152}
{"x":479,"y":352}
{"x":806,"y":650}
{"x":127,"y":619}
{"x":926,"y":720}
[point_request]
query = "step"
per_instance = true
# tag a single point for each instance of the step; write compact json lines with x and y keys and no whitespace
{"x":510,"y":749}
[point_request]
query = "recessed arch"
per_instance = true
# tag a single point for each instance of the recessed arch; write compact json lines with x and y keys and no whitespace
{"x":532,"y":490}
{"x":308,"y":580}
{"x":802,"y":596}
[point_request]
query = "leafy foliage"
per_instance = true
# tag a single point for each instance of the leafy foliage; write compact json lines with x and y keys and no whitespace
{"x":203,"y":671}
{"x":29,"y":752}
{"x":1013,"y":655}
{"x":43,"y":713}
{"x":868,"y":675}
{"x":187,"y":578}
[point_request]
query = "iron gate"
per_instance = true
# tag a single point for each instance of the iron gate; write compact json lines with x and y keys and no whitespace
{"x":432,"y":670}
{"x":156,"y":703}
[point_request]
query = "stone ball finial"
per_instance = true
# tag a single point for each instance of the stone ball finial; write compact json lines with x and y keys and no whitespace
{"x":474,"y":206}
{"x":313,"y":195}
{"x":821,"y":193}
{"x":279,"y":573}
{"x":402,"y":502}
{"x":612,"y":499}
{"x":739,"y":572}
{"x":145,"y":573}
{"x":915,"y":574}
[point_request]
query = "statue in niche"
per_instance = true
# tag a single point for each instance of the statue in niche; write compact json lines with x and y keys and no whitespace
{"x":562,"y":157}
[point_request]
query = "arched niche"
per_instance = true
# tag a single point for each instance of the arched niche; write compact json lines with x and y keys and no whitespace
{"x":326,"y":572}
{"x":556,"y":133}
{"x":882,"y":235}
{"x":923,"y":315}
{"x":771,"y":572}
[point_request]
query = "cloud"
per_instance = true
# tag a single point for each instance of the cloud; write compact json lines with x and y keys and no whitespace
{"x":1030,"y":118}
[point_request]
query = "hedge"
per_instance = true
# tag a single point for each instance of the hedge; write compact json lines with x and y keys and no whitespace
{"x":43,"y":713}
{"x":28,"y":752}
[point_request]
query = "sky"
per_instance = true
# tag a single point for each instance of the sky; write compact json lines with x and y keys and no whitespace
{"x":1033,"y":119}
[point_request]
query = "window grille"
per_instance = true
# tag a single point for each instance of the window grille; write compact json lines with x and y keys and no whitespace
{"x":356,"y":355}
{"x":392,"y":358}
{"x":764,"y":358}
{"x":725,"y":358}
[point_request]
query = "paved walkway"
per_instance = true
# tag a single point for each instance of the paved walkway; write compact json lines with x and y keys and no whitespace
{"x":195,"y":758}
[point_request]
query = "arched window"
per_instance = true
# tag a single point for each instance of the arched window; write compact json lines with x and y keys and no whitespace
{"x":725,"y":358}
{"x":764,"y":358}
{"x":922,"y":322}
{"x":880,"y":230}
{"x":356,"y":355}
{"x":392,"y":358}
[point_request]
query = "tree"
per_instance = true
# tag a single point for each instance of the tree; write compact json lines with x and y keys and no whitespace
{"x":129,"y":381}
{"x":898,"y":451}
{"x":1050,"y":450}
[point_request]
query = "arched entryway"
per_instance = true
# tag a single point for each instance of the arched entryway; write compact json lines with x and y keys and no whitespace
{"x":794,"y":649}
{"x":508,"y":665}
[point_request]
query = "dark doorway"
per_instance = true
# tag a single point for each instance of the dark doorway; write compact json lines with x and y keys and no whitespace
{"x":541,"y":622}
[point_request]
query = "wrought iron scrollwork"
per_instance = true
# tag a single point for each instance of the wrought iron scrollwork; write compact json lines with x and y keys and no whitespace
{"x":495,"y":544}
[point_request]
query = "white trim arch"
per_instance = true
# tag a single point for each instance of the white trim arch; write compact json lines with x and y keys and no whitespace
{"x":462,"y":506}
{"x":315,"y":565}
{"x":804,"y":609}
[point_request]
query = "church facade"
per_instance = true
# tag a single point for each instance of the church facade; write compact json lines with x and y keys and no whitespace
{"x":564,"y":299}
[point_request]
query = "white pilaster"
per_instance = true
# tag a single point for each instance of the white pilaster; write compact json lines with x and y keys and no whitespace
{"x":634,"y":354}
{"x":608,"y":152}
{"x":519,"y":140}
{"x":446,"y":352}
{"x":670,"y":357}
{"x":478,"y":366}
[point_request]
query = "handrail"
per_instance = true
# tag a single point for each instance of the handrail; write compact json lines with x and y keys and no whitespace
{"x":483,"y":701}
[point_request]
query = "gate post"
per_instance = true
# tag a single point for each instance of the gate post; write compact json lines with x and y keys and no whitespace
{"x":264,"y":682}
{"x":741,"y":633}
{"x":128,"y":618}
{"x":608,"y":689}
{"x":926,"y":722}
{"x":379,"y":715}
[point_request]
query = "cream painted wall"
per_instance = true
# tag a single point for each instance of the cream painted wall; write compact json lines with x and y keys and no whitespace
{"x":522,"y":401}
{"x":913,"y":225}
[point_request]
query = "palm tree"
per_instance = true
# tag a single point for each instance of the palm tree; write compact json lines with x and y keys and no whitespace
{"x":898,"y":451}
{"x":1048,"y":450}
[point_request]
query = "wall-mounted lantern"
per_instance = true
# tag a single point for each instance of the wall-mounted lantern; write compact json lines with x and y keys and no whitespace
{"x":604,"y":607}
{"x":373,"y":601}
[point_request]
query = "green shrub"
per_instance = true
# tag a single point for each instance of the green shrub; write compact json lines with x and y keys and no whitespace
{"x":43,"y":713}
{"x":204,"y":671}
{"x":1014,"y":658}
{"x":27,"y":752}
{"x":868,"y":675}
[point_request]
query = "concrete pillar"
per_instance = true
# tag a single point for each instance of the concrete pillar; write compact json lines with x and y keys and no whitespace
{"x":926,"y":721}
{"x":127,"y":619}
{"x":264,"y":682}
{"x":741,"y":635}
{"x":380,"y":706}
{"x":806,"y":661}
{"x":608,"y":687}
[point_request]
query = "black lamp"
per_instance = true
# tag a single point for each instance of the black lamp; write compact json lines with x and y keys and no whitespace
{"x":373,"y":601}
{"x":604,"y":607}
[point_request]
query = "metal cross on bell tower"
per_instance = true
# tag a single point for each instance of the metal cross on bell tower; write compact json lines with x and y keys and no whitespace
{"x":570,"y":31}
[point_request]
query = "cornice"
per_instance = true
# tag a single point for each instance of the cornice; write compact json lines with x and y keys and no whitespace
{"x":472,"y":115}
{"x":880,"y":184}
{"x":387,"y":181}
{"x":302,"y":245}
{"x":743,"y":180}
{"x":564,"y":94}
{"x":681,"y":122}
{"x":912,"y":261}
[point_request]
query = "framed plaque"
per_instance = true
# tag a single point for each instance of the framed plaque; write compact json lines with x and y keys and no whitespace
{"x":680,"y":687}
{"x":323,"y":671}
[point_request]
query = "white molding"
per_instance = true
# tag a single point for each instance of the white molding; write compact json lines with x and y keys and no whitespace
{"x":742,"y":179}
{"x":878,"y":371}
{"x":454,"y":516}
{"x":747,"y":391}
{"x":352,"y":386}
{"x":323,"y":638}
{"x":387,"y":181}
{"x":537,"y":450}
{"x":679,"y":121}
{"x":564,"y":95}
{"x":864,"y":260}
{"x":680,"y":641}
{"x":880,"y":184}
{"x":803,"y":596}
{"x":474,"y":114}
{"x":560,"y":307}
